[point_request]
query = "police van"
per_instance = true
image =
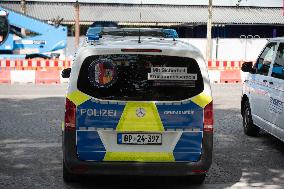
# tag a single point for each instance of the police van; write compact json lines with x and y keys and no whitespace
{"x":262,"y":104}
{"x":138,"y":108}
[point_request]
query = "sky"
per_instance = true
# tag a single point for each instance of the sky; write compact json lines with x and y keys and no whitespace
{"x":261,"y":3}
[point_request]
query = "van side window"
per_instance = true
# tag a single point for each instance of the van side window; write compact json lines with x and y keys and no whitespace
{"x":265,"y":59}
{"x":278,"y":66}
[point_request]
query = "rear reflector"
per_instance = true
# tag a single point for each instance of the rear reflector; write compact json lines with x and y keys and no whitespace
{"x":141,"y":50}
{"x":208,"y":118}
{"x":199,"y":171}
{"x":80,"y":169}
{"x":70,"y":115}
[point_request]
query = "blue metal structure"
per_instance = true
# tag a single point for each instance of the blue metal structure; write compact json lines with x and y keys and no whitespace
{"x":45,"y":38}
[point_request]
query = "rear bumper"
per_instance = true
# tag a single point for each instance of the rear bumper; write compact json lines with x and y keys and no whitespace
{"x":76,"y":166}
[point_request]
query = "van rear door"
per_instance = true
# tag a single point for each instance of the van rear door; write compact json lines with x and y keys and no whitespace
{"x":145,"y":108}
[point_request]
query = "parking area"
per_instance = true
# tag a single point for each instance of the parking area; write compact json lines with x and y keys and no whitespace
{"x":31,"y":156}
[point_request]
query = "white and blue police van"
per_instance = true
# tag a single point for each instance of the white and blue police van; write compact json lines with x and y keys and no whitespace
{"x":138,"y":108}
{"x":262,"y":104}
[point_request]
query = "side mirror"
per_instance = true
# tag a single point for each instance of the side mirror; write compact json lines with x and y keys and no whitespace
{"x":247,"y":67}
{"x":66,"y":73}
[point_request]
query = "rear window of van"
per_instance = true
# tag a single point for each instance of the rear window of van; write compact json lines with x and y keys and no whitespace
{"x":140,"y":77}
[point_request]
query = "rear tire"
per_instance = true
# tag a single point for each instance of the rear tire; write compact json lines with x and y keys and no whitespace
{"x":197,"y":179}
{"x":249,"y":128}
{"x":67,"y":176}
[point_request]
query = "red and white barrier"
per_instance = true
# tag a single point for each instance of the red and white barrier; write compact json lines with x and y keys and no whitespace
{"x":22,"y":76}
{"x":226,"y":71}
{"x":214,"y":76}
{"x":41,"y":71}
{"x":224,"y":65}
{"x":34,"y":64}
{"x":47,"y":76}
{"x":61,"y":64}
{"x":31,"y":76}
{"x":36,"y":71}
{"x":226,"y":76}
{"x":230,"y":76}
{"x":5,"y":76}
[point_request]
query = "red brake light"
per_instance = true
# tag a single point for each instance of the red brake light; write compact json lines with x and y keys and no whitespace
{"x":208,"y":118}
{"x":141,"y":50}
{"x":70,"y":115}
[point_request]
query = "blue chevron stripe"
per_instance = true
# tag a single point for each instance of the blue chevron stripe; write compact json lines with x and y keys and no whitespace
{"x":90,"y":146}
{"x":188,"y":147}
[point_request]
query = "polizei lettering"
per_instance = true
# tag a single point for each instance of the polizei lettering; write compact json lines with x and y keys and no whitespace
{"x":186,"y":112}
{"x":98,"y":112}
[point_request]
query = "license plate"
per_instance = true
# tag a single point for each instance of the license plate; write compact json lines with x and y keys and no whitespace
{"x":139,"y":138}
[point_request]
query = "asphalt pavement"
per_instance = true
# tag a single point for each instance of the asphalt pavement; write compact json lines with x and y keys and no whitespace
{"x":31,"y":156}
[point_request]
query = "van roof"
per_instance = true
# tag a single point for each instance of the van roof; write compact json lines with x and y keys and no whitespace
{"x":146,"y":43}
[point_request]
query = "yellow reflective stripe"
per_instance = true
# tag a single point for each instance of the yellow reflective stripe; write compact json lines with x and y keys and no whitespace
{"x":129,"y":120}
{"x":202,"y":99}
{"x":77,"y":97}
{"x":140,"y":156}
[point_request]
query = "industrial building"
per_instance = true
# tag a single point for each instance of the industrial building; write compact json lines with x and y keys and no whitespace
{"x":254,"y":18}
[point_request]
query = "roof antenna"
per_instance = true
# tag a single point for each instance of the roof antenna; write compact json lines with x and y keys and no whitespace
{"x":139,"y":38}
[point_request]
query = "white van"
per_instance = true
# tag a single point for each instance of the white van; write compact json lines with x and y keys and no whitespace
{"x":263,"y":92}
{"x":138,"y":108}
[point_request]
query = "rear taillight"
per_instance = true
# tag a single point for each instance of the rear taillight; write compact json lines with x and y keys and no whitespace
{"x":208,"y":118}
{"x":70,"y":115}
